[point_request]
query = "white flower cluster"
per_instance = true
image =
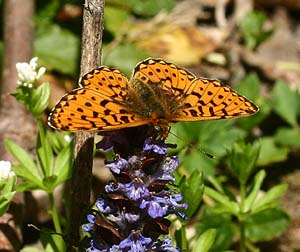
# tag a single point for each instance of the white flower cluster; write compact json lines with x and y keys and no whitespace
{"x":5,"y":170}
{"x":27,"y":73}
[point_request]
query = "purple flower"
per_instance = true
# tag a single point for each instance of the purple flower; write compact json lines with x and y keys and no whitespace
{"x":118,"y":165}
{"x":89,"y":226}
{"x":132,"y":213}
{"x":155,"y":146}
{"x":135,"y":242}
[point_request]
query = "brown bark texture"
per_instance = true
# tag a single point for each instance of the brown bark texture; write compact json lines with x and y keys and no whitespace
{"x":83,"y":150}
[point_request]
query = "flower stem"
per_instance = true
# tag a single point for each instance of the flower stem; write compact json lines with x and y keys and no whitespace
{"x":54,"y":214}
{"x":58,"y":239}
{"x":242,"y":219}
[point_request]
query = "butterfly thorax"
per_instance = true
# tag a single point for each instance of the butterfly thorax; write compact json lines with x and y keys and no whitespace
{"x":150,"y":101}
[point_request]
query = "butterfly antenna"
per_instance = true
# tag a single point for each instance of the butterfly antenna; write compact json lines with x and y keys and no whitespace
{"x":193,"y":146}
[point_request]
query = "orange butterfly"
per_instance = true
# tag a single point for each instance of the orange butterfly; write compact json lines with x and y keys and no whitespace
{"x":158,"y":93}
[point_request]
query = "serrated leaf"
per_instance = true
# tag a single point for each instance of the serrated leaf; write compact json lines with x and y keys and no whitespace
{"x":266,"y":225}
{"x":192,"y":190}
{"x":242,"y":160}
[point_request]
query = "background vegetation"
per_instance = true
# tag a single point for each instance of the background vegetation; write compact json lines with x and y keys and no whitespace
{"x":252,"y":47}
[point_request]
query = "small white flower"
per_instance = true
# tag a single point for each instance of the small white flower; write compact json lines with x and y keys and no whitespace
{"x":27,"y":73}
{"x":68,"y":138}
{"x":5,"y":170}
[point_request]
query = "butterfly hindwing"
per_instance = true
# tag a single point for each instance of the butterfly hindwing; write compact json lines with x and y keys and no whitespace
{"x":172,"y":79}
{"x":108,"y":81}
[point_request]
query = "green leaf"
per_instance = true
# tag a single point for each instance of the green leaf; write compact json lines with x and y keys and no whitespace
{"x":151,"y":7}
{"x":44,"y":151}
{"x":40,"y":99}
{"x":31,"y":177}
{"x":127,"y":51}
{"x":285,"y":102}
{"x":270,"y":152}
{"x":249,"y":86}
{"x":22,"y":157}
{"x":63,"y":164}
{"x":252,"y":30}
{"x":228,"y":205}
{"x":7,"y":185}
{"x":205,"y":241}
{"x":58,"y":49}
{"x":192,"y":190}
{"x":114,"y":19}
{"x":145,"y":8}
{"x":251,"y":198}
{"x":242,"y":160}
{"x":289,"y":137}
{"x":5,"y":200}
{"x":223,"y":225}
{"x":266,"y":225}
{"x":199,"y":135}
{"x":52,"y":242}
{"x":31,"y":249}
{"x":197,"y":161}
{"x":270,"y":196}
{"x":181,"y":239}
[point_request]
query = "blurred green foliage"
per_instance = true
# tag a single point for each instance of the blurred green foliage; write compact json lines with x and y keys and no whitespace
{"x":252,"y":29}
{"x":57,"y":44}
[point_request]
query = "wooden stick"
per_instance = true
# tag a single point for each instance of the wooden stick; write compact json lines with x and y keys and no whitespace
{"x":83,"y":150}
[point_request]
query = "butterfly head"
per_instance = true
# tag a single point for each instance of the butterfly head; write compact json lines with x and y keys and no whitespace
{"x":162,"y":127}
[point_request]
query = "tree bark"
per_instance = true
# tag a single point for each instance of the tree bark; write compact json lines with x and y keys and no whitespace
{"x":83,"y":150}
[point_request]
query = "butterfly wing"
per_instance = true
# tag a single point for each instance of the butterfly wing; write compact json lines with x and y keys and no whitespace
{"x":210,"y":100}
{"x":174,"y":80}
{"x":107,"y":81}
{"x":88,"y":109}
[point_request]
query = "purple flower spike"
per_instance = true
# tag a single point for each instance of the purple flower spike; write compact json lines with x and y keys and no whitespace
{"x":131,"y":214}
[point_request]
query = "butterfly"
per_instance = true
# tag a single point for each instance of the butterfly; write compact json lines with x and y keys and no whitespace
{"x":158,"y":93}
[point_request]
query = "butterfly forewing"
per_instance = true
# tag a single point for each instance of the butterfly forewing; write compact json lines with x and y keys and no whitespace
{"x":88,"y":109}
